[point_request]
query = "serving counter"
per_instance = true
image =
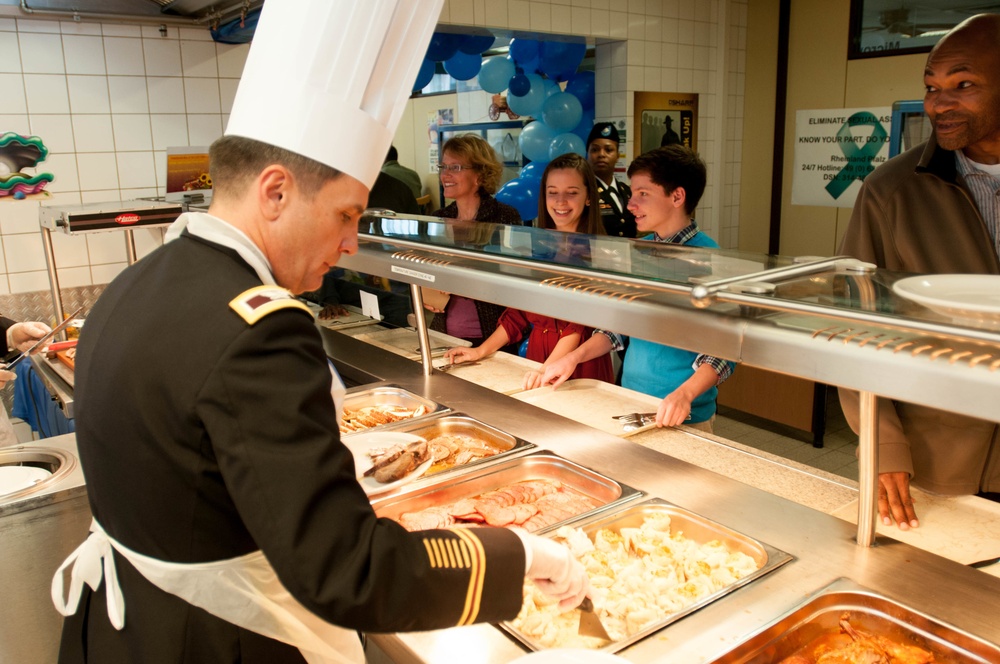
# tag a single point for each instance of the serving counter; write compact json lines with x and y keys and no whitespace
{"x":823,"y":545}
{"x":836,"y":321}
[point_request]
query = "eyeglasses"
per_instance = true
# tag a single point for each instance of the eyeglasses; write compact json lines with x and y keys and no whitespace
{"x":455,"y":168}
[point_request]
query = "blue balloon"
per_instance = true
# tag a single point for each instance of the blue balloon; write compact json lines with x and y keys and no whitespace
{"x":533,"y":171}
{"x":562,"y":112}
{"x":523,"y":50}
{"x":586,"y":123}
{"x":475,"y":44}
{"x":530,"y":103}
{"x":495,"y":74}
{"x":463,"y":66}
{"x":425,"y":75}
{"x":443,"y":45}
{"x":564,"y":144}
{"x":534,"y":141}
{"x":519,"y":85}
{"x":559,"y":60}
{"x":551,"y":88}
{"x":581,"y":86}
{"x":529,"y":66}
{"x":522,"y":195}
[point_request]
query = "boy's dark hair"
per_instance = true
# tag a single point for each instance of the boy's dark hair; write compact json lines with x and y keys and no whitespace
{"x":392,"y":154}
{"x":674,"y":166}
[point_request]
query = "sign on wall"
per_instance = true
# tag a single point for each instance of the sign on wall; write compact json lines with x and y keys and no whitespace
{"x":835,"y":150}
{"x":662,"y":118}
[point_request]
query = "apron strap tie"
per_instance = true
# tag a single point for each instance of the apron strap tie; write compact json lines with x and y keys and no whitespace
{"x":91,"y":561}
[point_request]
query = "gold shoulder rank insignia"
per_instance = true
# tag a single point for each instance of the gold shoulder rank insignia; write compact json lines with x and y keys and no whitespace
{"x":259,"y":301}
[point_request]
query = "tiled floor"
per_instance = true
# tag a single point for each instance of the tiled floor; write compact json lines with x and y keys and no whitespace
{"x":839,"y":443}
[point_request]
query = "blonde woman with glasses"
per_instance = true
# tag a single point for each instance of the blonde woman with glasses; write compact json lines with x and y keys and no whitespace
{"x":470,"y":175}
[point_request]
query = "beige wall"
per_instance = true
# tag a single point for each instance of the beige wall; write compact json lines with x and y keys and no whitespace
{"x":819,"y":76}
{"x":758,"y":134}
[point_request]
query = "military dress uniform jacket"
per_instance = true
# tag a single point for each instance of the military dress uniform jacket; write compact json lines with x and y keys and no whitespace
{"x":616,"y":224}
{"x":915,"y":214}
{"x":204,"y":437}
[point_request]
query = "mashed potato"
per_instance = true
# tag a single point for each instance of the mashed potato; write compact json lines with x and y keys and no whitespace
{"x":640,"y":576}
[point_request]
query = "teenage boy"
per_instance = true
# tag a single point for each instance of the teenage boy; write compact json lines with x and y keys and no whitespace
{"x":667,"y":184}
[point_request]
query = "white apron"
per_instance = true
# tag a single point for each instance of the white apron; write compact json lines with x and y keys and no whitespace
{"x":244,"y":591}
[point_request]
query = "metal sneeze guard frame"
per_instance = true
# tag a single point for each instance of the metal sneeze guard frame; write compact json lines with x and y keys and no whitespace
{"x":720,"y":302}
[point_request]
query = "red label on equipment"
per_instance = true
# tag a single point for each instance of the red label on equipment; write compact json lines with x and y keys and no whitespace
{"x":127,"y":218}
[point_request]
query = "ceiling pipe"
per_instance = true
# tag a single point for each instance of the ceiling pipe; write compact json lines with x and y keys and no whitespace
{"x":97,"y":16}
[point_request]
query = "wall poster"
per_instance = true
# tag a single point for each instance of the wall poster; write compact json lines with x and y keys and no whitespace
{"x":835,"y":150}
{"x":662,"y":118}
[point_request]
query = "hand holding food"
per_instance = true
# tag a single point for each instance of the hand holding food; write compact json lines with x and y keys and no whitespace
{"x":22,"y":336}
{"x":554,"y":570}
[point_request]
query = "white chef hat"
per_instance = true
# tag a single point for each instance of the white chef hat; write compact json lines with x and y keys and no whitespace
{"x":329,"y":79}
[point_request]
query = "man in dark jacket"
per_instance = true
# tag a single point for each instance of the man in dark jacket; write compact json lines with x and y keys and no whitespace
{"x":935,"y":209}
{"x":229,"y":525}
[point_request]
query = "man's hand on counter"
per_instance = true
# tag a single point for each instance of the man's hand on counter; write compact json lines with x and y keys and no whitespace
{"x":331,"y":311}
{"x":895,"y":502}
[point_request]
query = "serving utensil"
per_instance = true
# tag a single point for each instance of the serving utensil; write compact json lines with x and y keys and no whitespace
{"x":590,"y":622}
{"x":41,"y":342}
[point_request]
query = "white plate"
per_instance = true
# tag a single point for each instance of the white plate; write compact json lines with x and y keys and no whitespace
{"x":969,"y":297}
{"x":16,"y":478}
{"x":360,"y":443}
{"x":569,"y":656}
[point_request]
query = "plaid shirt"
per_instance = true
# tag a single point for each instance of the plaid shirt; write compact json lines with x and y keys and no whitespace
{"x":722,"y":368}
{"x":985,"y":189}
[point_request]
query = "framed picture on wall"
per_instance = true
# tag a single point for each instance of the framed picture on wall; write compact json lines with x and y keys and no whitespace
{"x":662,"y":118}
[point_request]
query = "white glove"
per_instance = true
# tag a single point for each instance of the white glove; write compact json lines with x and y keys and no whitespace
{"x":554,"y":570}
{"x":22,"y":336}
{"x":5,"y":377}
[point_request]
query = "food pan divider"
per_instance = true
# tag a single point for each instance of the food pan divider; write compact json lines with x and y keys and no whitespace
{"x":449,"y":421}
{"x":870,"y":612}
{"x":692,"y":526}
{"x":543,"y":464}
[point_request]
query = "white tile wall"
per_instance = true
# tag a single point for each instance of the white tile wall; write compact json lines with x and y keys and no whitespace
{"x":108,"y":99}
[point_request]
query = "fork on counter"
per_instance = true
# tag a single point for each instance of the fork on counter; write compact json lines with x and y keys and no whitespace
{"x":636,"y":418}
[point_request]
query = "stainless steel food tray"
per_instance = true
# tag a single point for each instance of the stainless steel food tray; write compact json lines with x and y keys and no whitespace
{"x":693,"y":527}
{"x":533,"y":466}
{"x":870,"y":612}
{"x":388,"y":395}
{"x":447,"y":423}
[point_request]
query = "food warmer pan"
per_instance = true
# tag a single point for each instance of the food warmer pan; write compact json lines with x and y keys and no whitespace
{"x":875,"y":621}
{"x":683,"y":525}
{"x":575,"y":481}
{"x":461,"y":425}
{"x":390,"y":397}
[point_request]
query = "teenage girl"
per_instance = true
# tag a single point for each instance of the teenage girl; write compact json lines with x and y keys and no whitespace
{"x":569,"y":203}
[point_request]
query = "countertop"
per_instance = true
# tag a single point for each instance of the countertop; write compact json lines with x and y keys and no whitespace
{"x":823,"y":544}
